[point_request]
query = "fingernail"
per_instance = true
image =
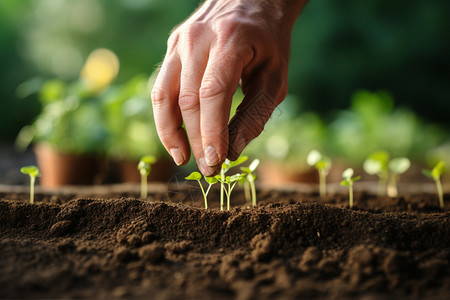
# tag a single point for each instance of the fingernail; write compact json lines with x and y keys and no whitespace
{"x":177,"y":156}
{"x":204,"y":169}
{"x":211,"y":156}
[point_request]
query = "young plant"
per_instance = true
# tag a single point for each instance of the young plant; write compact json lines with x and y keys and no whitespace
{"x":248,"y":179}
{"x":144,"y":168}
{"x":226,"y":166}
{"x":435,"y":174}
{"x":323,"y":165}
{"x":231,"y":182}
{"x":348,"y":181}
{"x":397,"y":166}
{"x":33,"y":172}
{"x":378,"y":164}
{"x":210,"y":180}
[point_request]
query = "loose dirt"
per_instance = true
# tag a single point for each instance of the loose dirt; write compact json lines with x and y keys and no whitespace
{"x":294,"y":245}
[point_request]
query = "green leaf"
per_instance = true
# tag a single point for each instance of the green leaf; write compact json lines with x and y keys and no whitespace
{"x":372,"y":167}
{"x":236,"y":177}
{"x":438,"y":170}
{"x":194,"y":176}
{"x":376,"y":163}
{"x":243,"y":179}
{"x":32,"y":171}
{"x":228,"y":179}
{"x":345,"y":183}
{"x":149,"y":159}
{"x":246,"y":170}
{"x":348,"y":173}
{"x":427,"y":173}
{"x":226,"y":165}
{"x":254,"y":165}
{"x":324,"y":164}
{"x":399,"y":165}
{"x":313,"y":157}
{"x":145,"y":163}
{"x":356,"y":178}
{"x":211,"y":180}
{"x":238,"y":161}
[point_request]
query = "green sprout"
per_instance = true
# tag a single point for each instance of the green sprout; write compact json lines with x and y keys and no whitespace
{"x":33,"y":172}
{"x":435,"y":174}
{"x":323,"y":165}
{"x":348,"y":181}
{"x":231,"y":182}
{"x":248,"y":179}
{"x":226,"y":166}
{"x":378,"y":164}
{"x":210,"y":180}
{"x":397,"y":166}
{"x":144,"y":168}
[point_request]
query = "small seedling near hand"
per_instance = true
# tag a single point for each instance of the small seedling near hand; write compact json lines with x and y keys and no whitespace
{"x":226,"y":166}
{"x":210,"y":180}
{"x":33,"y":172}
{"x":231,"y":182}
{"x":323,"y":165}
{"x":248,"y":178}
{"x":144,"y":168}
{"x":348,"y":181}
{"x":378,"y":164}
{"x":435,"y":174}
{"x":397,"y":166}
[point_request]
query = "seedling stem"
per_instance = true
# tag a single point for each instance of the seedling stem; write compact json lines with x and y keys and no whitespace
{"x":348,"y":181}
{"x":144,"y":168}
{"x":33,"y":172}
{"x":323,"y":165}
{"x":435,"y":174}
{"x":210,"y":180}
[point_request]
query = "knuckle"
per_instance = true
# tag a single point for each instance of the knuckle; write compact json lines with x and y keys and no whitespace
{"x":188,"y":100}
{"x":159,"y":97}
{"x":211,"y":88}
{"x":191,"y":34}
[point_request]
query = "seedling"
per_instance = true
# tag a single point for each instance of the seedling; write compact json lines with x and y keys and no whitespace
{"x":33,"y":172}
{"x":435,"y":174}
{"x":248,"y":178}
{"x":144,"y":168}
{"x":348,"y":181}
{"x":397,"y":166}
{"x":323,"y":165}
{"x":378,"y":164}
{"x":226,"y":166}
{"x":231,"y":182}
{"x":210,"y":180}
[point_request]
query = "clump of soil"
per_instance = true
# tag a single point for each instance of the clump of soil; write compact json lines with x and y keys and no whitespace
{"x":292,"y":246}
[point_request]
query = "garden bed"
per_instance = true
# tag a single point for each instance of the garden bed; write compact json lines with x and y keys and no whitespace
{"x":104,"y":242}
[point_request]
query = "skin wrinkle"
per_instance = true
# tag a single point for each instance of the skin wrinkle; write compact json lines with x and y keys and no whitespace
{"x":221,"y":43}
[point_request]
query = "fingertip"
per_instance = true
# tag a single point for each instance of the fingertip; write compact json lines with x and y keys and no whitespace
{"x":207,"y":170}
{"x":177,"y":156}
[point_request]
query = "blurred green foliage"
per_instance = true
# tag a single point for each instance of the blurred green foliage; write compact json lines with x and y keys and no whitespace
{"x":337,"y":48}
{"x":371,"y":123}
{"x":116,"y":122}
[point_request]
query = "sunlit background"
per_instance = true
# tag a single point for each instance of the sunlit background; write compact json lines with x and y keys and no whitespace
{"x":364,"y":76}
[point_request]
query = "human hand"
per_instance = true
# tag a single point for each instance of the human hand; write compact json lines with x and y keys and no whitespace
{"x":223,"y":43}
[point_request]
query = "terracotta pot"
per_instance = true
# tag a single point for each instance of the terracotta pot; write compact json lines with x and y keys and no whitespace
{"x":162,"y":171}
{"x":275,"y":174}
{"x":59,"y":169}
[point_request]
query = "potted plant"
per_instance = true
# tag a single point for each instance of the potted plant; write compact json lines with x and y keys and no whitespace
{"x":70,"y":134}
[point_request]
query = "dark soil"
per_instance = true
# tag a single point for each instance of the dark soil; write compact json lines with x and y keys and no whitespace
{"x":294,"y":245}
